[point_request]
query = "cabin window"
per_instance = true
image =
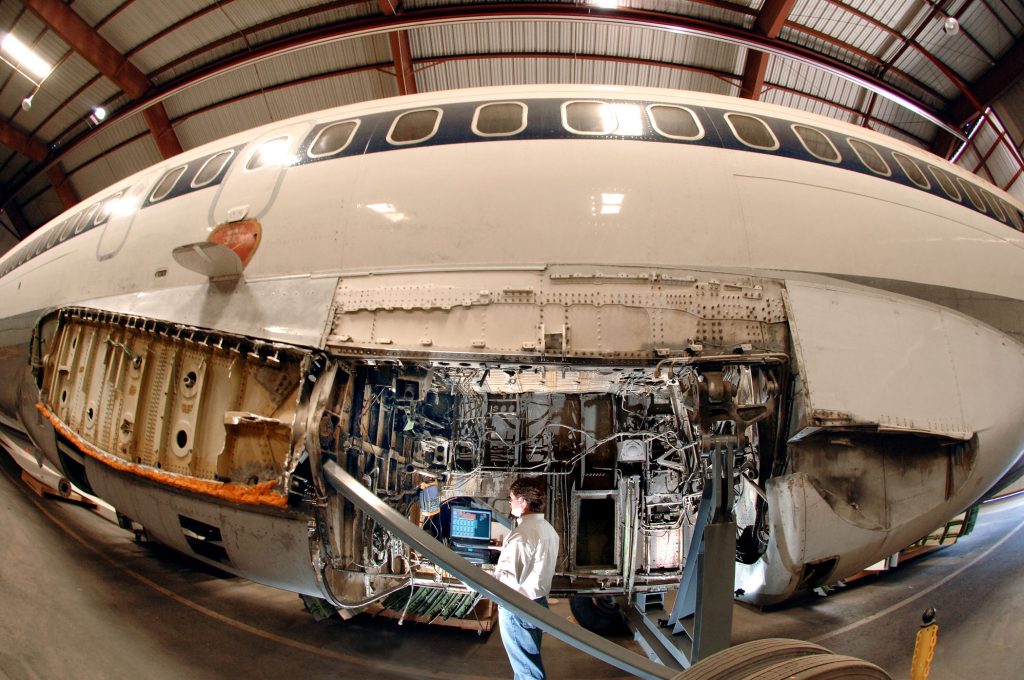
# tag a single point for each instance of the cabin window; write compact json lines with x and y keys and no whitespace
{"x":589,"y":118}
{"x":972,"y":194}
{"x":86,"y":218}
{"x":108,"y":205}
{"x":1014,"y":215}
{"x":271,"y":152}
{"x":166,"y":184}
{"x":65,"y":229}
{"x":501,"y":119}
{"x":211,"y":168}
{"x":602,"y":118}
{"x":993,"y":202}
{"x":51,"y":240}
{"x":946,"y":182}
{"x":870,"y":157}
{"x":414,"y":126}
{"x":675,"y":122}
{"x":752,"y":132}
{"x":912,"y":170}
{"x":817,"y":144}
{"x":332,"y":139}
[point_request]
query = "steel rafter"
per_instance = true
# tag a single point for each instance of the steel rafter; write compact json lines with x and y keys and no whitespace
{"x":62,"y":185}
{"x":401,"y":51}
{"x":769,"y":23}
{"x":84,"y":39}
{"x":518,"y":12}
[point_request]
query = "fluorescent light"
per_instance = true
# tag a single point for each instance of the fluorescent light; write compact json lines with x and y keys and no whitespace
{"x":613,"y":199}
{"x":25,"y":57}
{"x":605,"y":4}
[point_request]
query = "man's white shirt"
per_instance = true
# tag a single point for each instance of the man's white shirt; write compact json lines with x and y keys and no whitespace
{"x":527,"y":561}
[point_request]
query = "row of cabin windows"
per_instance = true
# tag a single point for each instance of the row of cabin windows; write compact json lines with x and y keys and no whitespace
{"x":755,"y":133}
{"x":504,"y":119}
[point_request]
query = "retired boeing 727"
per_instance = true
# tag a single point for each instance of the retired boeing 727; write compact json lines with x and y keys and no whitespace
{"x":445,"y":292}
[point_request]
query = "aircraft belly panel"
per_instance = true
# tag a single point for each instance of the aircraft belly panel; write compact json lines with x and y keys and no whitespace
{"x":261,"y":545}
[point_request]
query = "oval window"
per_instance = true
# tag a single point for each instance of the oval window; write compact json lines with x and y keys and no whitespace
{"x":912,"y":170}
{"x":211,"y":168}
{"x":414,"y":126}
{"x":993,"y":203}
{"x":751,"y":131}
{"x":107,"y":206}
{"x":675,"y":122}
{"x":332,"y":139}
{"x":588,"y":118}
{"x":972,"y":194}
{"x":501,"y":119}
{"x":817,"y":144}
{"x":271,"y":152}
{"x":870,"y":157}
{"x":86,"y":219}
{"x":1015,"y":216}
{"x":945,"y":182}
{"x":166,"y":184}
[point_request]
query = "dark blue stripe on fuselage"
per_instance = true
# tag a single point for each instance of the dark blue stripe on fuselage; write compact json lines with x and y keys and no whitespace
{"x":544,"y":121}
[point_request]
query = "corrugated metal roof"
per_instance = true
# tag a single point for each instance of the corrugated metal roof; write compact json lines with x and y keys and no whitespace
{"x":106,"y":137}
{"x":269,"y":73}
{"x":105,"y":170}
{"x":96,"y":10}
{"x":139,"y":22}
{"x":44,"y":204}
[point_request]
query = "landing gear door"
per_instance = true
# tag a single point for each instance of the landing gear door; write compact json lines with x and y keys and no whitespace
{"x":252,"y":183}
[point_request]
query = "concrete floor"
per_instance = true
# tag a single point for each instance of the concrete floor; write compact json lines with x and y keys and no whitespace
{"x":79,"y":598}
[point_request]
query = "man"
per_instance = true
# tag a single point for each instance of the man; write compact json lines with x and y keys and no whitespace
{"x":526,"y":564}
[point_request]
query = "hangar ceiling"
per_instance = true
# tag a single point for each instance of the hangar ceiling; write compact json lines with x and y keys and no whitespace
{"x":174,"y":74}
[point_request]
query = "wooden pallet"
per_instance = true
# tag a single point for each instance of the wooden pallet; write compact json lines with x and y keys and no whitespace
{"x":481,"y":619}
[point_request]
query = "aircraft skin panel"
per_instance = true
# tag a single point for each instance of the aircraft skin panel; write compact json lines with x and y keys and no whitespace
{"x":603,"y":309}
{"x":295,"y":310}
{"x":270,"y":548}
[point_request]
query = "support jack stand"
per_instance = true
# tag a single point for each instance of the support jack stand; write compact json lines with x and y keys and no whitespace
{"x":700,"y":622}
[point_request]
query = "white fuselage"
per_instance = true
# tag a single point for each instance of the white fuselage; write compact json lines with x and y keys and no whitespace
{"x":905,"y":305}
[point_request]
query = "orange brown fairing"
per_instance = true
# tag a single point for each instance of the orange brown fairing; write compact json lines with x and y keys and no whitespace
{"x":257,"y":494}
{"x":242,"y":237}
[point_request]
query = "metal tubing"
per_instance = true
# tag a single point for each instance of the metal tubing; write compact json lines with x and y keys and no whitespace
{"x":484,"y":583}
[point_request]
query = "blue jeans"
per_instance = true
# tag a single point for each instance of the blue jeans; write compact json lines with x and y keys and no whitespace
{"x":522,"y":643}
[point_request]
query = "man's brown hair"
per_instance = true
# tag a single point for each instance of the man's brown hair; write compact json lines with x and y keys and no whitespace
{"x":534,"y":490}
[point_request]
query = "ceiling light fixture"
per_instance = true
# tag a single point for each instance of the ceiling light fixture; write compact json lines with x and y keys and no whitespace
{"x":25,"y":59}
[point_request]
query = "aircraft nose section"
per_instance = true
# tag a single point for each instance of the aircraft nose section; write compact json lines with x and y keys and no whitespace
{"x":902,"y":426}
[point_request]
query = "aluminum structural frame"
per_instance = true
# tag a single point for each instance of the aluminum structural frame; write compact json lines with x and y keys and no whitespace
{"x":484,"y":583}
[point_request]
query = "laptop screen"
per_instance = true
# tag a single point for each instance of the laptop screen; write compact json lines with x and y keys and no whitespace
{"x":475,"y":524}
